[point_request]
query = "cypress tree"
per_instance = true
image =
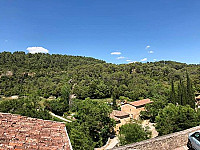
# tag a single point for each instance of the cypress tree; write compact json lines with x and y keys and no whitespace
{"x":190,"y":93}
{"x":180,"y":93}
{"x":65,"y":97}
{"x":114,"y":97}
{"x":173,"y":94}
{"x":184,"y":95}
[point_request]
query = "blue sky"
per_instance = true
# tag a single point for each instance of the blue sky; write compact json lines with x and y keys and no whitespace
{"x":135,"y":29}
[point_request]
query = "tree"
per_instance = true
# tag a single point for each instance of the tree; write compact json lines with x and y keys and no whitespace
{"x":172,"y":93}
{"x":152,"y":110}
{"x":114,"y":97}
{"x":181,"y":99}
{"x":65,"y":93}
{"x":175,"y":118}
{"x":80,"y":137}
{"x":190,"y":93}
{"x":25,"y":106}
{"x":132,"y":132}
{"x":185,"y":94}
{"x":93,"y":117}
{"x":56,"y":106}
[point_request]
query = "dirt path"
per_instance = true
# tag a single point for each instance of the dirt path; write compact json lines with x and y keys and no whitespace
{"x":151,"y":126}
{"x":59,"y":117}
{"x":111,"y":143}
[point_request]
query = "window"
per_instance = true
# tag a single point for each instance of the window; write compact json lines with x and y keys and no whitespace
{"x":196,"y":135}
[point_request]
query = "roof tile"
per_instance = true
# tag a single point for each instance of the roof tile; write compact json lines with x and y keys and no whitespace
{"x":141,"y":102}
{"x":21,"y":132}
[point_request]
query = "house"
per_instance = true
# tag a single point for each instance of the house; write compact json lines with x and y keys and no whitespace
{"x":20,"y":132}
{"x":134,"y":108}
{"x":120,"y":117}
{"x":197,"y":98}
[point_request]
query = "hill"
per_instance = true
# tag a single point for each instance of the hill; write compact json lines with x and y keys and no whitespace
{"x":45,"y":74}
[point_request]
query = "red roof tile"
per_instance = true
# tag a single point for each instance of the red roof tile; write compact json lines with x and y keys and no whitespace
{"x":141,"y":102}
{"x":20,"y":132}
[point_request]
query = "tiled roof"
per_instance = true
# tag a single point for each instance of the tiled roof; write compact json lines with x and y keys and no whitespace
{"x":20,"y":132}
{"x":117,"y":113}
{"x":141,"y":102}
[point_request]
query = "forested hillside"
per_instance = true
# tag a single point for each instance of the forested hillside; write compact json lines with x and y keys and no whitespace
{"x":45,"y":74}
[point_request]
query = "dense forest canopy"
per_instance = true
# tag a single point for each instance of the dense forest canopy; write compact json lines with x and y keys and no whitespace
{"x":45,"y":74}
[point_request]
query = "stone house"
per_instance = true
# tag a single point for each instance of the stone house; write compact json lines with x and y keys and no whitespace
{"x":197,"y":98}
{"x":121,"y":118}
{"x":134,"y":108}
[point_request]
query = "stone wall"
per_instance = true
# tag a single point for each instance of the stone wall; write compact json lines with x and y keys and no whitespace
{"x":166,"y":142}
{"x":132,"y":110}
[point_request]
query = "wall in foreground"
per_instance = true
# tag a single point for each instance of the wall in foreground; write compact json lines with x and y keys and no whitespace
{"x":166,"y":142}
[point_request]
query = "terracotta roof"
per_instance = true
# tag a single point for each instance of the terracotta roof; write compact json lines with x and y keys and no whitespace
{"x":141,"y":102}
{"x":20,"y":132}
{"x":117,"y":113}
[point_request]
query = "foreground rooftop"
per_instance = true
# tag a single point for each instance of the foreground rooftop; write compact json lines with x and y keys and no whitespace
{"x":20,"y":132}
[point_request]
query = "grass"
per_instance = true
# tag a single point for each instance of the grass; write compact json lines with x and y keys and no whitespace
{"x":103,"y":100}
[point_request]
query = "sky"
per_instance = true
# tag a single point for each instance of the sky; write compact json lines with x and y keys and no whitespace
{"x":117,"y":31}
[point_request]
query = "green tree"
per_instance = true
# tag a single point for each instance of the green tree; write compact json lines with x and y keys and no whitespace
{"x":25,"y":106}
{"x":79,"y":137}
{"x":190,"y":93}
{"x":56,"y":106}
{"x":114,"y":97}
{"x":65,"y":91}
{"x":132,"y":132}
{"x":94,"y":117}
{"x":152,"y":110}
{"x":182,"y":93}
{"x":173,"y":93}
{"x":175,"y":118}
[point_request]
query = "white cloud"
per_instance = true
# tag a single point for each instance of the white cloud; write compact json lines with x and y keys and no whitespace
{"x":34,"y":50}
{"x":115,"y":53}
{"x":144,"y":59}
{"x":148,"y":46}
{"x":121,"y":57}
{"x":132,"y":62}
{"x":128,"y":60}
{"x":151,"y":52}
{"x":154,"y":59}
